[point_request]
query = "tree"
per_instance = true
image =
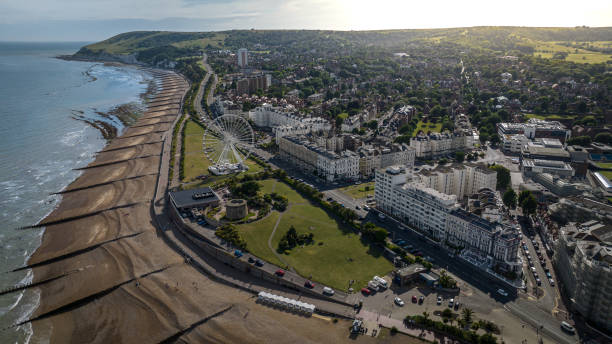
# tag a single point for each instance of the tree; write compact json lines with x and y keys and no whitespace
{"x":459,"y":156}
{"x":529,"y":205}
{"x":467,"y":315}
{"x":510,"y":198}
{"x":523,"y":196}
{"x":446,"y":281}
{"x":503,"y":176}
{"x":580,"y":140}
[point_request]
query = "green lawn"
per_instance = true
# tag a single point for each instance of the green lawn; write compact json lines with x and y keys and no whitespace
{"x":343,"y":115}
{"x":256,"y":235}
{"x":427,"y":126}
{"x":196,"y":162}
{"x":604,"y":164}
{"x":341,"y":256}
{"x":358,"y":191}
{"x":268,"y":185}
{"x":607,"y":174}
{"x":548,"y":117}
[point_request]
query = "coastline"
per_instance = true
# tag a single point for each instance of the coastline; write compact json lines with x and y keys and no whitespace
{"x":109,"y":188}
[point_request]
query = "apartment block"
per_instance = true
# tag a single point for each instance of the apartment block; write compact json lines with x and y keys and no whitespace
{"x":583,"y":261}
{"x":439,"y":144}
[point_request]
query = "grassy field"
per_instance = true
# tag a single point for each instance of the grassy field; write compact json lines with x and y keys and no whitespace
{"x":604,"y":164}
{"x":196,"y":163}
{"x":256,"y":235}
{"x":427,"y":126}
{"x":607,"y":174}
{"x":272,"y":185}
{"x":358,"y":191}
{"x":578,"y":55}
{"x":337,"y":256}
{"x":552,"y":117}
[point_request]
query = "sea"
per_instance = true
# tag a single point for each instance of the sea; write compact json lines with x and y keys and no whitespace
{"x":45,"y":103}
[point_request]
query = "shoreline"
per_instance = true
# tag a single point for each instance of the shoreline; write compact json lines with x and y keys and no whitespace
{"x":50,"y":251}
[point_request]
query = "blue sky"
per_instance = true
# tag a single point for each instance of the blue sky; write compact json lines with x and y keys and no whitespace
{"x":93,"y":20}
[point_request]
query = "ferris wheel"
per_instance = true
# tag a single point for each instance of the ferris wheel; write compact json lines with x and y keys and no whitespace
{"x":227,"y":143}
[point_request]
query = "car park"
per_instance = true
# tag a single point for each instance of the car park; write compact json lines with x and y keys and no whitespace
{"x":398,"y":301}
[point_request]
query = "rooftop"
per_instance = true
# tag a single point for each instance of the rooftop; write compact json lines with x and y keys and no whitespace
{"x":193,"y":198}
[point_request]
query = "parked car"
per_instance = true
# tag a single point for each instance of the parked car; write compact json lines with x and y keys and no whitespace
{"x":457,"y":305}
{"x":502,"y":292}
{"x":328,"y":291}
{"x":259,"y":263}
{"x":309,"y":284}
{"x":414,"y":299}
{"x":238,"y":253}
{"x":539,"y":281}
{"x":329,"y":199}
{"x":552,"y":282}
{"x":567,"y":327}
{"x":280,"y":272}
{"x":251,"y":260}
{"x":365,"y":207}
{"x":401,"y":243}
{"x":450,"y":303}
{"x":439,"y":302}
{"x":381,"y":216}
{"x":380,"y":281}
{"x":366,"y":291}
{"x":421,"y":299}
{"x":398,"y":301}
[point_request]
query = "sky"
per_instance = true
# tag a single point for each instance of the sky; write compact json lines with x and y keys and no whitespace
{"x":94,"y":20}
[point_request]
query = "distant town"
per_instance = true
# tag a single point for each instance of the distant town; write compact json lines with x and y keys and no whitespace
{"x":416,"y":186}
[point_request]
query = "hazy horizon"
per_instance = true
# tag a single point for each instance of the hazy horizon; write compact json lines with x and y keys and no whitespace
{"x":77,"y":21}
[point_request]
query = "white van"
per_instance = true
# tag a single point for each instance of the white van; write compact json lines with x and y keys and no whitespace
{"x":328,"y":291}
{"x":381,"y":281}
{"x":372,"y":285}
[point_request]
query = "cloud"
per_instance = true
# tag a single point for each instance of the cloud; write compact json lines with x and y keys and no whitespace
{"x":98,"y":19}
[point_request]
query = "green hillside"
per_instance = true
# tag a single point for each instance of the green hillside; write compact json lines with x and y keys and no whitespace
{"x":581,"y":44}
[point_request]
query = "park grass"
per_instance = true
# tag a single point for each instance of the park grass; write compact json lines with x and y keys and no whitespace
{"x":550,"y":117}
{"x":607,"y":174}
{"x":272,"y":185}
{"x":343,"y":115}
{"x":427,"y":126}
{"x":341,"y":257}
{"x":256,"y":235}
{"x":604,"y":164}
{"x":358,"y":191}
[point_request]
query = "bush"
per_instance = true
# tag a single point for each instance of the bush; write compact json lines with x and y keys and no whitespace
{"x":393,"y":331}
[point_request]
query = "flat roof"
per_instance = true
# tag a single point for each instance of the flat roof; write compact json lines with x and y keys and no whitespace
{"x":193,"y":198}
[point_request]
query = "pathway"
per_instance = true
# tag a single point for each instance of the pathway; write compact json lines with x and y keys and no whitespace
{"x":278,"y":255}
{"x":370,"y":317}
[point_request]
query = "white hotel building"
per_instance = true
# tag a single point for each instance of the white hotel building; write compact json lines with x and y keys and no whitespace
{"x":459,"y":179}
{"x":327,"y":164}
{"x":286,"y":123}
{"x":439,"y":216}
